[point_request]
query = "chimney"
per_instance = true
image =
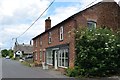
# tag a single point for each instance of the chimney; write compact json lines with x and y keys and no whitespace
{"x":30,"y":42}
{"x":47,"y":24}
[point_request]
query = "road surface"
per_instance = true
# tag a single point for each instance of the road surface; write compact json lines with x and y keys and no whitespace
{"x":14,"y":69}
{"x":0,"y":68}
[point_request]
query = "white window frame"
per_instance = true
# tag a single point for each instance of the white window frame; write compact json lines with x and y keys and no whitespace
{"x":36,"y":43}
{"x":36,"y":56}
{"x":40,"y":55}
{"x":49,"y":57}
{"x":40,"y":41}
{"x":49,"y":37}
{"x":60,"y":58}
{"x":93,"y":23}
{"x":61,"y":33}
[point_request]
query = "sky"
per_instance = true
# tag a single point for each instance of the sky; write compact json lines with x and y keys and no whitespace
{"x":17,"y":15}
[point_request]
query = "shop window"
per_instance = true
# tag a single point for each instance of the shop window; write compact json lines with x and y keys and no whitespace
{"x":49,"y":57}
{"x":63,"y":58}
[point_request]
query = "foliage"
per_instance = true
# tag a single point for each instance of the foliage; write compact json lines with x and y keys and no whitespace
{"x":11,"y":53}
{"x":97,"y":52}
{"x":6,"y":52}
{"x":72,"y":72}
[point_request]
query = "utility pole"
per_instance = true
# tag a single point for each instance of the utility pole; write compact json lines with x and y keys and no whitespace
{"x":15,"y":46}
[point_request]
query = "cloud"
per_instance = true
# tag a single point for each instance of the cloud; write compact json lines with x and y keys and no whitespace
{"x":17,"y":15}
{"x":1,"y":44}
{"x":63,"y":13}
{"x":20,"y":11}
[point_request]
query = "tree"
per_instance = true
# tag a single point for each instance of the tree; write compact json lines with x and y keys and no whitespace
{"x":11,"y":54}
{"x":4,"y":52}
{"x":97,"y":52}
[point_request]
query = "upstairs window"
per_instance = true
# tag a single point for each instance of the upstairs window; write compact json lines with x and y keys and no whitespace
{"x":40,"y":55}
{"x":49,"y":37}
{"x":40,"y":41}
{"x":91,"y":24}
{"x":36,"y":56}
{"x":61,"y":33}
{"x":36,"y":43}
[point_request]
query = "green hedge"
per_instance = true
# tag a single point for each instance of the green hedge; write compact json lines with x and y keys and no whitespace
{"x":97,"y":52}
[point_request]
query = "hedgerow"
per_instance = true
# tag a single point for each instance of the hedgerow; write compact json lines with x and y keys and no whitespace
{"x":97,"y":52}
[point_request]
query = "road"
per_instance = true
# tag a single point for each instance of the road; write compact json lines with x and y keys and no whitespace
{"x":14,"y":69}
{"x":0,"y":68}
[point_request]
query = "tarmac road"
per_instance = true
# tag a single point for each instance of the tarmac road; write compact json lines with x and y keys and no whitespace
{"x":14,"y":69}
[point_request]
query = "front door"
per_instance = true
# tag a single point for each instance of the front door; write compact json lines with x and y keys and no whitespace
{"x":55,"y":58}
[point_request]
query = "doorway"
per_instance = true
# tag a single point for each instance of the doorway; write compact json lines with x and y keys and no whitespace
{"x":55,"y":59}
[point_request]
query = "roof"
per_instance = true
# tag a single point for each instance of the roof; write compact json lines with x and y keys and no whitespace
{"x":71,"y":17}
{"x":28,"y":49}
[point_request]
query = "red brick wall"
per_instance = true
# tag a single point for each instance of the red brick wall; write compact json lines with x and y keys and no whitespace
{"x":68,"y":38}
{"x":105,"y":14}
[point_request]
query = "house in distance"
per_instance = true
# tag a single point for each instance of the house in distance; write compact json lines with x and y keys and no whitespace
{"x":23,"y":50}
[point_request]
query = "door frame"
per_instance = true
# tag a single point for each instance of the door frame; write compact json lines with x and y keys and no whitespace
{"x":55,"y":56}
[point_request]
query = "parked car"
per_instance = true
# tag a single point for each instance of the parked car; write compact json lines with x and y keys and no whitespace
{"x":7,"y":57}
{"x":29,"y":56}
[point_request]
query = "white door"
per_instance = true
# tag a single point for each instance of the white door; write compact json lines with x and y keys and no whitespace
{"x":56,"y":60}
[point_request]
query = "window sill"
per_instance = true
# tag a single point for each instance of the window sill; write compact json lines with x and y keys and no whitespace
{"x":49,"y":64}
{"x":61,"y":40}
{"x":49,"y":42}
{"x":62,"y":67}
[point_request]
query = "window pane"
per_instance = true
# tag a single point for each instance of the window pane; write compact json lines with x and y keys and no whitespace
{"x":66,"y":62}
{"x":49,"y":37}
{"x":36,"y":56}
{"x":62,"y":62}
{"x":66,"y":53}
{"x":61,"y":33}
{"x":49,"y":56}
{"x":62,"y":54}
{"x":91,"y":24}
{"x":59,"y":62}
{"x":40,"y":55}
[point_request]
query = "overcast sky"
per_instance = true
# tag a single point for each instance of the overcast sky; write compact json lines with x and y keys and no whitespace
{"x":17,"y":15}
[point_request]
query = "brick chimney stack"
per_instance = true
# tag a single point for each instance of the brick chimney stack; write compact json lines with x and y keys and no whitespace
{"x":47,"y":24}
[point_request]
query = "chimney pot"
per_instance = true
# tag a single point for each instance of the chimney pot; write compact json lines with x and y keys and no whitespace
{"x":47,"y":24}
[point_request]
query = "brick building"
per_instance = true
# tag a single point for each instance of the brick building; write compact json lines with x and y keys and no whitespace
{"x":55,"y":45}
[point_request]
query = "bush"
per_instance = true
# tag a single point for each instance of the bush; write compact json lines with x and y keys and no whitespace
{"x":11,"y":53}
{"x":72,"y":72}
{"x":6,"y":52}
{"x":97,"y":52}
